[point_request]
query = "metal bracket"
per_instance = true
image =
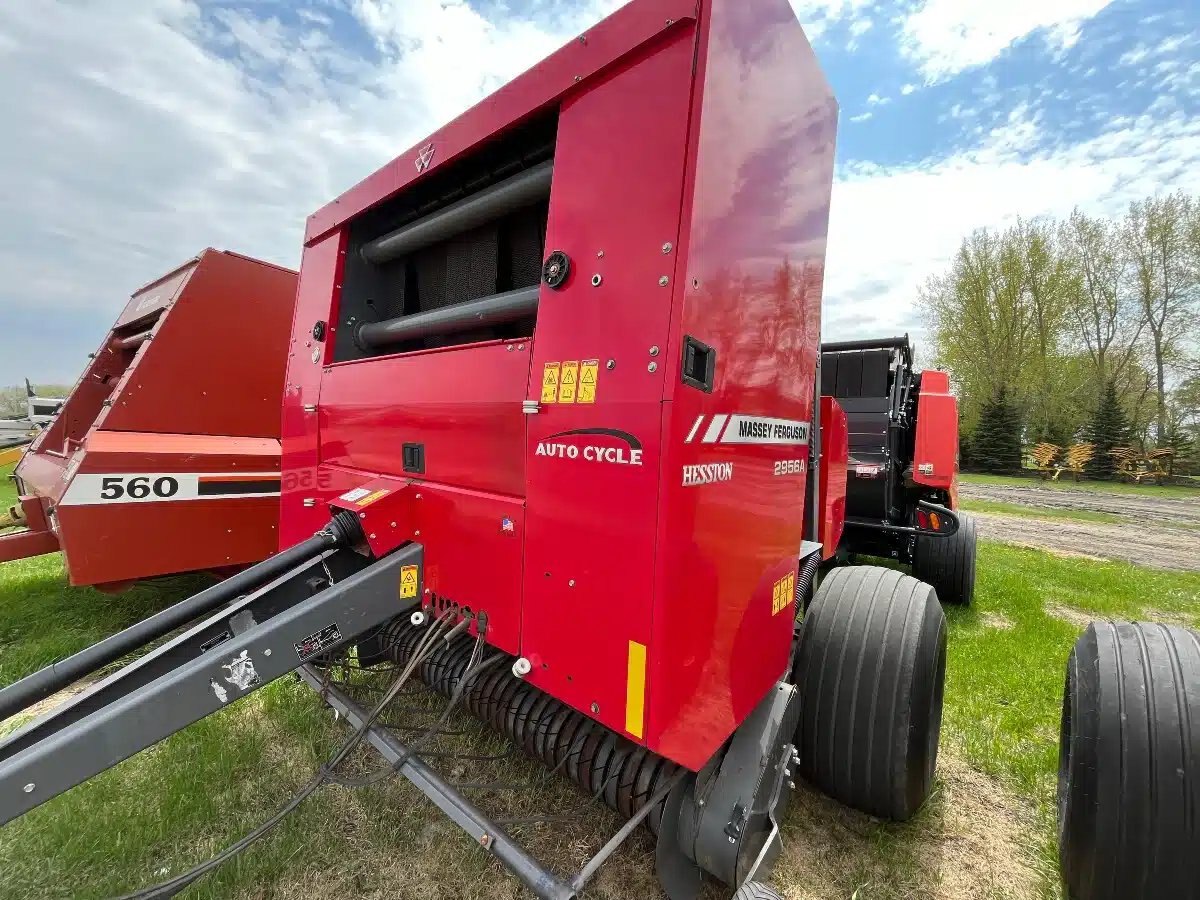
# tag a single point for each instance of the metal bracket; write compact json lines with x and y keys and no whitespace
{"x":181,"y":682}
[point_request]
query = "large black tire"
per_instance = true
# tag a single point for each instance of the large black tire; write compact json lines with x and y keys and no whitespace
{"x":756,"y":890}
{"x":948,"y":563}
{"x":1129,"y":764}
{"x":870,"y":668}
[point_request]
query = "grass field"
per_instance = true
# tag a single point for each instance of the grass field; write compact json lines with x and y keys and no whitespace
{"x":175,"y":805}
{"x":1109,"y":487}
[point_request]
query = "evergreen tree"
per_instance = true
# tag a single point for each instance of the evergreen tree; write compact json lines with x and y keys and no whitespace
{"x":996,"y":443}
{"x":1109,"y":428}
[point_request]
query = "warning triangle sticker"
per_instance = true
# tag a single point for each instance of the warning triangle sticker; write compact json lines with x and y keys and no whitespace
{"x":408,"y":578}
{"x":589,"y":376}
{"x":568,"y":376}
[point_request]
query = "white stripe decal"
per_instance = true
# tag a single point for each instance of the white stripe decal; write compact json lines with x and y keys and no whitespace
{"x":762,"y":430}
{"x":160,"y":487}
{"x":714,"y":429}
{"x":695,"y":427}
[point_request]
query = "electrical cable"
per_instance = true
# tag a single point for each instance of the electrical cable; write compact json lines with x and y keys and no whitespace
{"x":324,"y":775}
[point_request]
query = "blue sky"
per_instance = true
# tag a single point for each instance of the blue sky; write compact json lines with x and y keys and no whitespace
{"x":145,"y":132}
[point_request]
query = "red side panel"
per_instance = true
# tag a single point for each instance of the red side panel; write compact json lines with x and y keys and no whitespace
{"x":301,"y":515}
{"x":935,"y":459}
{"x":835,"y":453}
{"x":369,"y":411}
{"x":215,"y":362}
{"x":593,"y":466}
{"x":763,"y":147}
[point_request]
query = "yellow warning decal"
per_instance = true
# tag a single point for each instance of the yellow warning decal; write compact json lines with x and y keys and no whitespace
{"x":589,"y":373}
{"x":568,"y":382}
{"x":635,"y":690}
{"x":408,"y":581}
{"x":783,"y":592}
{"x":550,"y":383}
{"x":372,"y":497}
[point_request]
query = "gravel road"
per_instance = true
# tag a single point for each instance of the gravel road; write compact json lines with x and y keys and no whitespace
{"x":1157,"y":534}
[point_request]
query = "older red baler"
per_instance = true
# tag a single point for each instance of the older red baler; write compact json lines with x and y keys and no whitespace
{"x":552,"y":444}
{"x":165,"y":456}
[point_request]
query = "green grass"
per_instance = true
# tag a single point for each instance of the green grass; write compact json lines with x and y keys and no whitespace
{"x":1004,"y":685}
{"x":163,"y":810}
{"x":1040,"y":512}
{"x":42,"y":619}
{"x":1184,"y":492}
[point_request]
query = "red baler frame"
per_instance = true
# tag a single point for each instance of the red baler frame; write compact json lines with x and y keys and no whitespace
{"x":165,"y":456}
{"x":692,"y":202}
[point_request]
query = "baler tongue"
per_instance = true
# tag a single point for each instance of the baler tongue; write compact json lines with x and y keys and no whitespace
{"x":262,"y":623}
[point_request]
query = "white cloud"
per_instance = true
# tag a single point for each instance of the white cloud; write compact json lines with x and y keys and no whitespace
{"x":876,"y":100}
{"x":893,"y":227}
{"x":225,"y":131}
{"x":908,"y":89}
{"x":945,"y":37}
{"x":863,"y":117}
{"x":818,"y":15}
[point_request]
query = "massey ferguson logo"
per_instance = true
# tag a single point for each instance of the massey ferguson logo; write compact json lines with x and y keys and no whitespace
{"x":707,"y":473}
{"x":600,"y":445}
{"x":425,"y":157}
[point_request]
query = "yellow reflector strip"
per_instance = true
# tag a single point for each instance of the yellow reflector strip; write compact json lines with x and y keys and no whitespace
{"x":635,"y":690}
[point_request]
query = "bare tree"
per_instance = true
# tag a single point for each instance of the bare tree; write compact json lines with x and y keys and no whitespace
{"x":1107,"y":317}
{"x":1158,"y":242}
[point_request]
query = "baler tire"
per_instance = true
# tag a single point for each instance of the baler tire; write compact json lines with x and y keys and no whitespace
{"x":1129,"y":763}
{"x":948,"y":563}
{"x":870,"y":668}
{"x":756,"y":890}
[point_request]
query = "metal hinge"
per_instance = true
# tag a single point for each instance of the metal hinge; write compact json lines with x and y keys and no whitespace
{"x":530,"y":407}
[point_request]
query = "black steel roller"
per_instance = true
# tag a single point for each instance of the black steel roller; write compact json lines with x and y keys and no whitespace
{"x":605,"y":764}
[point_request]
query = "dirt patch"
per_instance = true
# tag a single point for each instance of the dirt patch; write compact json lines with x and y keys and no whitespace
{"x":1156,"y":510}
{"x":966,"y":844}
{"x":1164,"y":548}
{"x":52,"y":702}
{"x":1150,"y":614}
{"x":1072,"y":616}
{"x":996,"y":620}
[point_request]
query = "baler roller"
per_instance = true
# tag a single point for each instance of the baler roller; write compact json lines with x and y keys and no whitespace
{"x":517,"y":192}
{"x":485,"y":312}
{"x":608,"y":766}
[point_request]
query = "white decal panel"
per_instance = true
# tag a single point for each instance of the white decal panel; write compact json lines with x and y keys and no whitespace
{"x":158,"y":487}
{"x":739,"y":429}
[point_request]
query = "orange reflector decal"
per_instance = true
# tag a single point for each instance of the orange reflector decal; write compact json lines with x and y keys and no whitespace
{"x":635,"y":690}
{"x":935,"y":521}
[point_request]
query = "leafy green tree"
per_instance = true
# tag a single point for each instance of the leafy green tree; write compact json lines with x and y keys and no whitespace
{"x":1108,"y":429}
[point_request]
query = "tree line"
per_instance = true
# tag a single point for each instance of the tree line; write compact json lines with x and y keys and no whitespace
{"x":1049,"y":326}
